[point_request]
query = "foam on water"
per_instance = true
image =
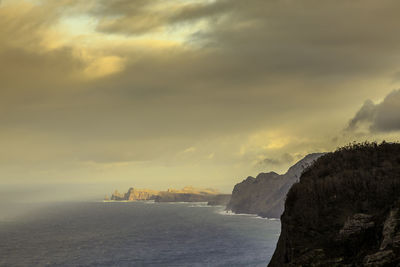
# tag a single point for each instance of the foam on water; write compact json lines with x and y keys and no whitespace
{"x":136,"y":234}
{"x":222,"y":211}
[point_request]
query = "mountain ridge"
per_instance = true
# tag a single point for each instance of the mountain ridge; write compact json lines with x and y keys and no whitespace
{"x":265,"y":194}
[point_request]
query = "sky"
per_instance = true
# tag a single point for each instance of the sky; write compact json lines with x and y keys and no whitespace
{"x":104,"y":94}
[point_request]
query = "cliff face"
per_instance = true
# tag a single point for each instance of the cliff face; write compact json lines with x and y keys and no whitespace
{"x":186,"y":194}
{"x":182,"y":197}
{"x":141,"y":194}
{"x":265,"y":194}
{"x":344,"y":211}
{"x":135,"y":194}
{"x":117,"y":196}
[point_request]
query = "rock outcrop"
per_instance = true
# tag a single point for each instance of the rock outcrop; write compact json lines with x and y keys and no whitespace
{"x":265,"y":194}
{"x":344,"y":211}
{"x":117,"y":196}
{"x":140,"y":194}
{"x":186,"y":194}
{"x":135,"y":195}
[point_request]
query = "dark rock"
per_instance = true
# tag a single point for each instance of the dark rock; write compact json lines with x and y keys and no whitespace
{"x":381,"y":258}
{"x":356,"y":225}
{"x":389,"y":230}
{"x":265,"y":194}
{"x":344,"y":211}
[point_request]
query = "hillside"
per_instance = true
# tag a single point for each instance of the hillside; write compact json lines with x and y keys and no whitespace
{"x":344,"y":211}
{"x":265,"y":194}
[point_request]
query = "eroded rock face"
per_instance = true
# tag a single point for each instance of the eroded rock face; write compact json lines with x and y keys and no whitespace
{"x":117,"y":196}
{"x":356,"y":225}
{"x":265,"y":194}
{"x":390,"y":233}
{"x":140,"y":194}
{"x":381,"y":258}
{"x":186,"y":194}
{"x":344,"y":211}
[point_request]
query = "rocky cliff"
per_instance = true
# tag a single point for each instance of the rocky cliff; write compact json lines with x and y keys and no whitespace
{"x":186,"y":194}
{"x":141,"y":194}
{"x":265,"y":194}
{"x":135,"y":195}
{"x":344,"y":211}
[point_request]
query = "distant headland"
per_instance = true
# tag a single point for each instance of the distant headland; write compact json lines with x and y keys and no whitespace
{"x":186,"y":194}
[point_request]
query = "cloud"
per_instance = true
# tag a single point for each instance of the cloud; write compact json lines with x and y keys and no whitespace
{"x":365,"y":114}
{"x":110,"y":81}
{"x":142,"y":17}
{"x":284,"y":159}
{"x":380,"y":117}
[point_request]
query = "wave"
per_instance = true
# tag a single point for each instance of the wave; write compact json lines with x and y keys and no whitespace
{"x":191,"y":204}
{"x":116,"y":201}
{"x":255,"y":216}
{"x":130,"y":201}
{"x":199,"y":205}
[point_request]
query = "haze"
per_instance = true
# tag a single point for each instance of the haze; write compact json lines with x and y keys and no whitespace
{"x":106,"y":94}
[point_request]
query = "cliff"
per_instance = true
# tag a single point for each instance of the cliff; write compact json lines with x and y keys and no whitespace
{"x":140,"y":194}
{"x":186,"y":194}
{"x":135,"y":195}
{"x":344,"y":211}
{"x":265,"y":194}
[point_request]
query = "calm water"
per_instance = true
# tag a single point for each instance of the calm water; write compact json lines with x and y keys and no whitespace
{"x":136,"y":234}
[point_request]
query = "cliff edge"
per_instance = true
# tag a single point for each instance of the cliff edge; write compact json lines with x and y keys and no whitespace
{"x":344,"y":211}
{"x":186,"y":194}
{"x":265,"y":194}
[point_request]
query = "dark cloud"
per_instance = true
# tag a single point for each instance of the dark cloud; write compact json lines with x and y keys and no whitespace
{"x":365,"y":114}
{"x":249,"y":66}
{"x":388,"y":114}
{"x":270,"y":38}
{"x":381,"y":117}
{"x":284,"y":159}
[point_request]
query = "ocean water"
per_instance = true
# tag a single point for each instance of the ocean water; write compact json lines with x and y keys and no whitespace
{"x":136,"y":234}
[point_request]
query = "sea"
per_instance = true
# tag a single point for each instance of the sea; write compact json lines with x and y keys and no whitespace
{"x":136,"y":234}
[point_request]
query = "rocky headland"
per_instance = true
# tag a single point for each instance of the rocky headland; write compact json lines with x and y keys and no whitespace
{"x":265,"y":194}
{"x":186,"y":194}
{"x":345,"y":210}
{"x":135,"y":195}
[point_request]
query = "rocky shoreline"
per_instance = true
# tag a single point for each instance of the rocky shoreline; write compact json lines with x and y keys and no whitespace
{"x":186,"y":194}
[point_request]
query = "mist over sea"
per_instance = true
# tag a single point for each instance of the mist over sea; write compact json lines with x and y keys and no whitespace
{"x":135,"y":234}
